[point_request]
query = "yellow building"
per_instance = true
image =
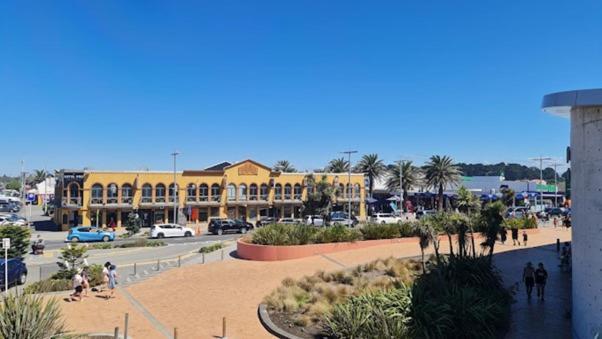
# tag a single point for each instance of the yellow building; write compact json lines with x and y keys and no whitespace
{"x":246,"y":189}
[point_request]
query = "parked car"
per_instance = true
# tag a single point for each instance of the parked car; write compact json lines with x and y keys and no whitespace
{"x":12,"y":219}
{"x":221,"y":226}
{"x":89,"y":233}
{"x":517,"y":212}
{"x":265,"y":221}
{"x":314,"y":220}
{"x":425,"y":213}
{"x":556,"y":211}
{"x":385,"y":218}
{"x":244,"y":224}
{"x":170,"y":230}
{"x":289,"y":221}
{"x":17,"y":272}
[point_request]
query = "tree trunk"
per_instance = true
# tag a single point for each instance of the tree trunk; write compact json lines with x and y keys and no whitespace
{"x":474,"y":250}
{"x":422,"y":255}
{"x":451,"y":246}
{"x":436,"y":247}
{"x":371,"y":185}
{"x":440,"y":207}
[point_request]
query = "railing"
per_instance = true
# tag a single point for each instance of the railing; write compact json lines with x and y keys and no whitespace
{"x":146,"y":200}
{"x":216,"y":198}
{"x":263,"y":197}
{"x":173,"y":199}
{"x":112,"y":200}
{"x":191,"y":198}
{"x":127,"y":200}
{"x":204,"y":198}
{"x":253,"y":197}
{"x":160,"y":199}
{"x":287,"y":196}
{"x":277,"y":196}
{"x":72,"y":201}
{"x":297,"y":196}
{"x":242,"y":198}
{"x":96,"y":201}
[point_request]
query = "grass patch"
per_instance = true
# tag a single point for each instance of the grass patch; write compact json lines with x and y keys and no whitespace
{"x":212,"y":248}
{"x":140,"y":242}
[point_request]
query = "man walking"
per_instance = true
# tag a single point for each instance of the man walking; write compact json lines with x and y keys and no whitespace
{"x":529,"y":278}
{"x":514,"y":231}
{"x":541,"y":277}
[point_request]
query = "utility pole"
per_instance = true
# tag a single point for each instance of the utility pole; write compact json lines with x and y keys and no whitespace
{"x":541,"y":160}
{"x":175,"y":188}
{"x":349,"y":180}
{"x":555,"y":164}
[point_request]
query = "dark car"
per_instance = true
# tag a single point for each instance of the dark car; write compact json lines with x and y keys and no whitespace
{"x":243,"y":223}
{"x":556,"y":212}
{"x":221,"y":226}
{"x":265,"y":221}
{"x":17,"y":272}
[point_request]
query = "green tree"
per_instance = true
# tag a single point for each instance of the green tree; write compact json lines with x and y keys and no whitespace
{"x":338,"y":165}
{"x":133,"y":223}
{"x":284,"y":166}
{"x":426,"y":235}
{"x":373,"y":167}
{"x":14,"y":184}
{"x":440,"y":172}
{"x":410,"y":177}
{"x":19,"y":239}
{"x":71,"y":258}
{"x":467,"y":202}
{"x":492,"y":217}
{"x":39,"y":176}
{"x":508,"y":195}
{"x":320,"y":197}
{"x":29,"y":316}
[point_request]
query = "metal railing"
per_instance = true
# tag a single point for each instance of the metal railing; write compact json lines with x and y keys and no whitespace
{"x":72,"y":201}
{"x":146,"y":200}
{"x":96,"y":201}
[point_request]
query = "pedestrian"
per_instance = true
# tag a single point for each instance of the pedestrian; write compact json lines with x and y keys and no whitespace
{"x":503,"y":235}
{"x":541,"y":277}
{"x":514,"y":232}
{"x":77,"y":286}
{"x":529,"y":278}
{"x":105,"y":276}
{"x":555,"y":221}
{"x":112,"y":281}
{"x":112,"y":224}
{"x":85,"y":281}
{"x":525,"y":238}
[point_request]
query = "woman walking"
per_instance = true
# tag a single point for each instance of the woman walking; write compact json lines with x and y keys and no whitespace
{"x":105,"y":276}
{"x":112,"y":281}
{"x":85,"y":281}
{"x":529,"y":278}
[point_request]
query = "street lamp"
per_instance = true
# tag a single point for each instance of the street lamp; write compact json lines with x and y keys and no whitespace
{"x":175,"y":188}
{"x":349,"y":179}
{"x":541,"y":159}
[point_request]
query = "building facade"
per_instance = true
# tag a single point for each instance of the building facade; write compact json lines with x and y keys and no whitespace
{"x":246,"y":190}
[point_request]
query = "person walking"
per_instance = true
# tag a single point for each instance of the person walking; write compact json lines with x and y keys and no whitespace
{"x":503,"y":235}
{"x":529,"y":278}
{"x":514,"y":232}
{"x":525,"y":238}
{"x":112,"y":281}
{"x":541,"y":277}
{"x":555,"y":221}
{"x":77,"y":286}
{"x":105,"y":276}
{"x":85,"y":281}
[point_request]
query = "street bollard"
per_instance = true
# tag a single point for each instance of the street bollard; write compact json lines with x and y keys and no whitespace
{"x":222,"y":254}
{"x":125,"y":328}
{"x":116,"y":333}
{"x":135,"y":270}
{"x":224,"y":336}
{"x":158,"y":263}
{"x":557,"y":245}
{"x":175,"y":333}
{"x":179,"y":261}
{"x":40,"y":273}
{"x":203,"y":257}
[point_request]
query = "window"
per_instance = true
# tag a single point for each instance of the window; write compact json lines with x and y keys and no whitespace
{"x":231,"y":192}
{"x":215,"y":193}
{"x":310,"y":187}
{"x":147,"y":193}
{"x":112,"y":193}
{"x":263,"y":192}
{"x":253,"y":192}
{"x":173,"y":193}
{"x":356,"y":191}
{"x":191,"y":192}
{"x":204,"y":192}
{"x":349,"y":191}
{"x":160,"y":193}
{"x":340,"y":190}
{"x":126,"y":194}
{"x":242,"y":192}
{"x":96,"y":193}
{"x":278,"y":192}
{"x":288,"y":191}
{"x":74,"y":198}
{"x":297,"y":192}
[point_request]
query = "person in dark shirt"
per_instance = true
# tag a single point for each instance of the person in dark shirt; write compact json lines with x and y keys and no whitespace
{"x":541,"y":277}
{"x":529,"y":278}
{"x":514,"y":231}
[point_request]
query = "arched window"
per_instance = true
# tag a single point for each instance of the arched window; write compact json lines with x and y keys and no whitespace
{"x":160,"y":193}
{"x":231,"y":192}
{"x":191,"y":192}
{"x":310,"y":187}
{"x":278,"y":192}
{"x":112,"y":193}
{"x":147,"y":193}
{"x":253,"y":192}
{"x":288,"y":192}
{"x":215,"y":192}
{"x":242,"y":192}
{"x":263,"y":192}
{"x":340,"y":190}
{"x":173,"y":193}
{"x":126,"y":194}
{"x":96,"y":194}
{"x":349,"y":192}
{"x":74,"y":194}
{"x":356,"y":191}
{"x":297,"y":192}
{"x":204,"y":192}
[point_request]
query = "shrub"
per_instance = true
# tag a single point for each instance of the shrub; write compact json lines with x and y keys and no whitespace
{"x":142,"y":242}
{"x":337,"y":233}
{"x":380,"y":231}
{"x":275,"y":234}
{"x":100,"y":246}
{"x":211,"y":248}
{"x":72,"y":257}
{"x":407,"y":229}
{"x":48,"y":285}
{"x":28,"y":316}
{"x":19,"y":239}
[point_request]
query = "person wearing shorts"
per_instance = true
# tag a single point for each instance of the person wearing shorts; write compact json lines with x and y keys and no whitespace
{"x":112,"y":281}
{"x":541,"y":277}
{"x":77,"y":287}
{"x":529,"y":278}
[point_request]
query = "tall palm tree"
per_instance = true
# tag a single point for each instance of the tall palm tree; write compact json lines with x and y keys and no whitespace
{"x":338,"y":165}
{"x":373,"y":167}
{"x":410,"y":177}
{"x":492,"y":217}
{"x":440,"y":172}
{"x":39,"y":176}
{"x":426,"y":235}
{"x":467,"y":202}
{"x":284,"y":166}
{"x":508,"y":195}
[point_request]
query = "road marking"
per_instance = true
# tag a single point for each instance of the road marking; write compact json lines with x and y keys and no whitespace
{"x":138,"y":306}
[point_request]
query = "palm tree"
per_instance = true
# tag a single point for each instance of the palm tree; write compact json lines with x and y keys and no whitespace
{"x":30,"y":316}
{"x":338,"y":165}
{"x":508,"y":196}
{"x":39,"y":176}
{"x":440,"y":172}
{"x":319,"y":201}
{"x":467,"y":202}
{"x":410,"y":177}
{"x":284,"y":166}
{"x":373,"y":167}
{"x":492,"y":217}
{"x":425,"y":233}
{"x":461,"y":226}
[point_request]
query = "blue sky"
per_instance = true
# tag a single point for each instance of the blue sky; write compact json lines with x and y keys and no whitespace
{"x":120,"y":84}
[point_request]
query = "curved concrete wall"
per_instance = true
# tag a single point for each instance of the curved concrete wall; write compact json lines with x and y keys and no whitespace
{"x":586,"y":183}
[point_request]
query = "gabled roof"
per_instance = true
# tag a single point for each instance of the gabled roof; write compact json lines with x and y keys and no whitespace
{"x":251,"y":161}
{"x":218,"y":167}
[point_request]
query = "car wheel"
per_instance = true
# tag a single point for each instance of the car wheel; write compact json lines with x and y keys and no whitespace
{"x":22,"y":278}
{"x":188,"y":234}
{"x":160,"y":235}
{"x":220,"y":232}
{"x":243,"y":230}
{"x":75,"y":239}
{"x":105,"y":238}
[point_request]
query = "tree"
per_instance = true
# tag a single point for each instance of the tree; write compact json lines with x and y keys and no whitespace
{"x":284,"y":166}
{"x":19,"y":239}
{"x":319,"y":200}
{"x":133,"y":223}
{"x":339,"y":165}
{"x":467,"y":202}
{"x":440,"y":172}
{"x":425,"y":233}
{"x":71,"y":258}
{"x":14,"y":184}
{"x":29,"y":316}
{"x":409,"y":175}
{"x":39,"y":176}
{"x":492,"y":218}
{"x":508,"y":195}
{"x":442,"y":221}
{"x":373,"y":167}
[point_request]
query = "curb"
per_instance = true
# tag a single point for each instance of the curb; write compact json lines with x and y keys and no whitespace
{"x":264,"y":319}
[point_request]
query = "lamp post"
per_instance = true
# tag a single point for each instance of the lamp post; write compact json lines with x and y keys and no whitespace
{"x":541,"y":159}
{"x":175,"y":188}
{"x":349,"y":179}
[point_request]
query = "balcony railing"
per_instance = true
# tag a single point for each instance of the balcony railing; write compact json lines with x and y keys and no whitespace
{"x":112,"y":200}
{"x":173,"y":199}
{"x":263,"y":197}
{"x":160,"y":199}
{"x":216,"y":198}
{"x":191,"y":198}
{"x":96,"y":201}
{"x":253,"y":197}
{"x":242,"y":198}
{"x":127,"y":200}
{"x":297,"y":196}
{"x":73,"y":201}
{"x":277,"y":196}
{"x":287,"y":196}
{"x":204,"y":198}
{"x":146,"y":200}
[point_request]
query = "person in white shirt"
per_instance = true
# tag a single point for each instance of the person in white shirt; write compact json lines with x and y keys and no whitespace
{"x":77,"y":286}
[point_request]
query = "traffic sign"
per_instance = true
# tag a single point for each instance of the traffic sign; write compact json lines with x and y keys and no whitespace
{"x":31,"y":197}
{"x":5,"y":243}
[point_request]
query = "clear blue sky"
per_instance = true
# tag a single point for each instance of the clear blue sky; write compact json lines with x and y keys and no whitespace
{"x":120,"y":84}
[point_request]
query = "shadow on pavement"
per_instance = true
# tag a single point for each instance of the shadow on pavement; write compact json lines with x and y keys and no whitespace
{"x":45,"y":225}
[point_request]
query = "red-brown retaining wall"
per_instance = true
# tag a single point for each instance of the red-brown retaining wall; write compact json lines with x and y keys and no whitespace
{"x":250,"y":251}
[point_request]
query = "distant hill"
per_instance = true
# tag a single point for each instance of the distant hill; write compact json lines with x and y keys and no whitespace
{"x":510,"y":171}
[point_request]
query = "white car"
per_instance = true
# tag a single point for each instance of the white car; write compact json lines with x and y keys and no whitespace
{"x":385,"y":218}
{"x":315,"y":220}
{"x":12,"y":220}
{"x":170,"y":230}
